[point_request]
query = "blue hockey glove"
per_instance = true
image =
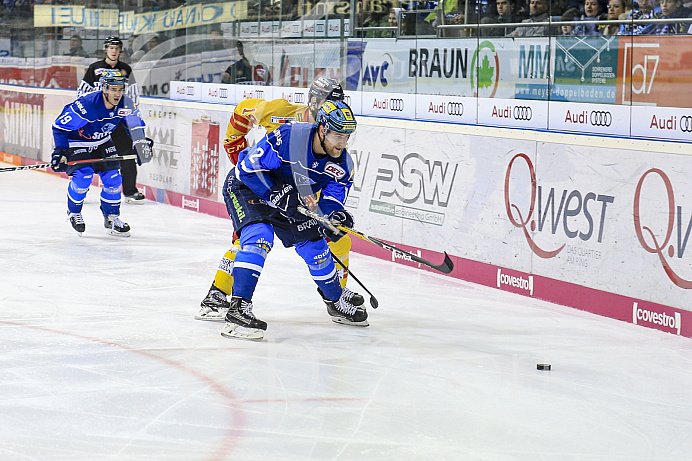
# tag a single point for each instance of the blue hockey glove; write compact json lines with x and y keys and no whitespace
{"x":338,"y":218}
{"x":285,"y":198}
{"x":58,"y":161}
{"x":144,"y":149}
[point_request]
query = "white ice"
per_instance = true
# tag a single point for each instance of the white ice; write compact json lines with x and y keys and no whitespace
{"x":100,"y":357}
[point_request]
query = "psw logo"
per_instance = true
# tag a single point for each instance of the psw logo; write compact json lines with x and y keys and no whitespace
{"x":413,"y":177}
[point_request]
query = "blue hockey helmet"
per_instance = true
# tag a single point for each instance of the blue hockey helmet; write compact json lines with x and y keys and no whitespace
{"x":112,"y":77}
{"x":337,"y":116}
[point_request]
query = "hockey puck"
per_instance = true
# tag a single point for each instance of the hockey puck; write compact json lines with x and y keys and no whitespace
{"x":543,"y":366}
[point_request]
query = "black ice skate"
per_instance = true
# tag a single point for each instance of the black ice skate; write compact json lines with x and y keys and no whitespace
{"x":115,"y":226}
{"x":348,"y":309}
{"x":137,"y":198}
{"x":241,"y":322}
{"x":77,"y":222}
{"x":214,"y":306}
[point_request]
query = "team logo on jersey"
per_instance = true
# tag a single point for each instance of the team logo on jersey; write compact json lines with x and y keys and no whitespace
{"x":302,"y":180}
{"x":281,"y":120}
{"x":124,"y":112}
{"x":335,"y":170}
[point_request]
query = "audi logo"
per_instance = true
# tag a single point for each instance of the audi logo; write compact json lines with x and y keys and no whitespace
{"x":259,"y":94}
{"x":190,"y":90}
{"x":523,"y":113}
{"x":299,"y":98}
{"x":396,"y":105}
{"x":686,"y":123}
{"x":600,"y":118}
{"x":455,"y":108}
{"x":223,"y":93}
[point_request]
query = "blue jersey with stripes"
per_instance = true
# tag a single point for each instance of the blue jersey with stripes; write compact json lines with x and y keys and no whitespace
{"x":87,"y":122}
{"x":285,"y":156}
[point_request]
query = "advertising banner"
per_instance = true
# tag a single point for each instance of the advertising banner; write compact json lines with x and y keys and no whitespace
{"x":662,"y":122}
{"x":396,"y":105}
{"x":656,"y":70}
{"x":21,"y":123}
{"x":585,"y":69}
{"x":447,"y":109}
{"x":513,"y":113}
{"x":589,"y":118}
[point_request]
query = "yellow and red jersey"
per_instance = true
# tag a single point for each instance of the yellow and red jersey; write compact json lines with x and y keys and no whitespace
{"x":268,"y":114}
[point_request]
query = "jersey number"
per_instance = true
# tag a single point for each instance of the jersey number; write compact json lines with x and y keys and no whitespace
{"x":65,"y":119}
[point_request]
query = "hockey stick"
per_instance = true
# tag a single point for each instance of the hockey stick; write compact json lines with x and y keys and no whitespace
{"x":445,"y":267}
{"x":40,"y":166}
{"x":373,"y":300}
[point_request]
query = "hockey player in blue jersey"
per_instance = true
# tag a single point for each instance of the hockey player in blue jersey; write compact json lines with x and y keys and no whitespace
{"x":83,"y":131}
{"x":263,"y":195}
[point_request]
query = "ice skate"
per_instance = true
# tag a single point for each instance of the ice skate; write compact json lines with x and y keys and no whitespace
{"x":348,"y":309}
{"x":241,"y":322}
{"x":137,"y":198}
{"x":115,"y":226}
{"x":77,"y":222}
{"x":214,"y":306}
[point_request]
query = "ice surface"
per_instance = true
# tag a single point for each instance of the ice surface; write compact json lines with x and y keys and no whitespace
{"x":100,"y":357}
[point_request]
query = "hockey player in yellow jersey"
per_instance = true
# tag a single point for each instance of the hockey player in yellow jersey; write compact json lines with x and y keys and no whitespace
{"x":270,"y":115}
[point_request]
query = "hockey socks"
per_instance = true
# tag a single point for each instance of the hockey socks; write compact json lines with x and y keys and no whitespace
{"x":256,"y":242}
{"x":321,"y":265}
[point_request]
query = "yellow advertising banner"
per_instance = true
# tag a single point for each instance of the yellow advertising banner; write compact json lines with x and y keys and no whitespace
{"x":127,"y":22}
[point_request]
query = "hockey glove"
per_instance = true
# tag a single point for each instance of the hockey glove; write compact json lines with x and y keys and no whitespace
{"x":58,"y":161}
{"x":285,"y":198}
{"x":337,"y":218}
{"x":233,"y":147}
{"x":144,"y":149}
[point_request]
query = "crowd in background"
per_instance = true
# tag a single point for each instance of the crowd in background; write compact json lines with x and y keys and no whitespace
{"x":372,"y":19}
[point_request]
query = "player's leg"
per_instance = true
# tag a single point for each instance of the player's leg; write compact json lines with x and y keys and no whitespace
{"x":341,"y":249}
{"x":250,"y":218}
{"x":110,"y":203}
{"x":76,"y":192}
{"x":215,"y":305}
{"x":343,"y":305}
{"x":128,"y":168}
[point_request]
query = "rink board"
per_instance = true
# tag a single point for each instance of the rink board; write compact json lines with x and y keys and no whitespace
{"x":601,"y":224}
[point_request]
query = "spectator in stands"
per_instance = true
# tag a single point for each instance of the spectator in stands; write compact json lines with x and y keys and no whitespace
{"x":616,"y":8}
{"x":592,"y":12}
{"x":505,"y":14}
{"x":568,"y":16}
{"x":645,"y":11}
{"x":76,"y":48}
{"x":538,"y":12}
{"x":670,"y":9}
{"x":392,"y":18}
{"x":453,"y":14}
{"x":240,"y":71}
{"x":377,"y":19}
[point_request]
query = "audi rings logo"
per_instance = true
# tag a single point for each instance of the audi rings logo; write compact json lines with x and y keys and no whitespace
{"x":600,"y":118}
{"x":396,"y":105}
{"x":299,"y":98}
{"x":455,"y":108}
{"x":686,"y":123}
{"x":522,"y":113}
{"x":223,"y":93}
{"x":347,"y":100}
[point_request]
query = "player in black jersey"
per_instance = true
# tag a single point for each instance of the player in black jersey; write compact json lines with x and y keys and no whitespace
{"x":113,"y":46}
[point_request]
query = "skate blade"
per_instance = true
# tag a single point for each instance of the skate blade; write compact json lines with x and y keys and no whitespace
{"x":135,"y":202}
{"x":343,"y":321}
{"x":118,"y":234}
{"x":236,"y":331}
{"x":216,"y":317}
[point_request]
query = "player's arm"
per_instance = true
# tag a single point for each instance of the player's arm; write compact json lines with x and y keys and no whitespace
{"x":87,"y":85}
{"x":134,"y":123}
{"x":69,"y":120}
{"x":133,"y":88}
{"x":257,"y":162}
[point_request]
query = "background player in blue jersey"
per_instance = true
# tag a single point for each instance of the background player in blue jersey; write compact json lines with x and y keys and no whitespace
{"x":263,"y":195}
{"x":113,"y":47}
{"x":83,"y":131}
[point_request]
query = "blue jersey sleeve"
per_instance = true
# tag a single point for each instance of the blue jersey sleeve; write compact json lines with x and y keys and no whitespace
{"x":258,"y":161}
{"x":72,"y":118}
{"x":334,"y":193}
